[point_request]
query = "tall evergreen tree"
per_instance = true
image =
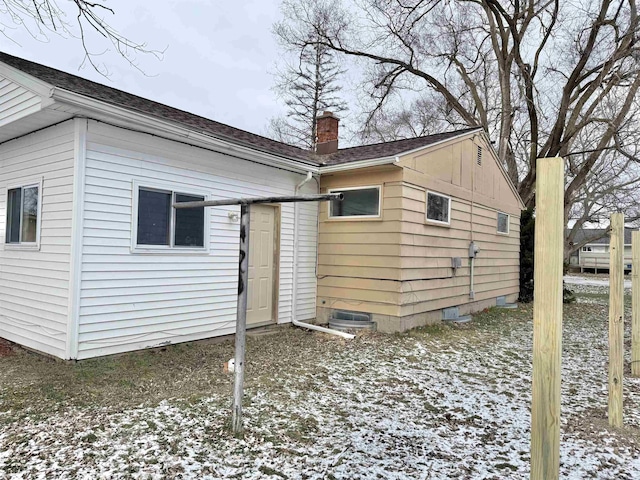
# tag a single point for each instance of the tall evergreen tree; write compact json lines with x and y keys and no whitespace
{"x":310,"y":84}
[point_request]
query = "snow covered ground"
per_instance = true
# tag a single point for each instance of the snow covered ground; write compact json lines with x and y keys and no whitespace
{"x":440,"y":403}
{"x":591,"y":281}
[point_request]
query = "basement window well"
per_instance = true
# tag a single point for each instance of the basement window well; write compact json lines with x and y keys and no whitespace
{"x":358,"y":202}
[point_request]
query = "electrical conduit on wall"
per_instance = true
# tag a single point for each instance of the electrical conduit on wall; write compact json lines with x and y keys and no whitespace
{"x":472,"y":293}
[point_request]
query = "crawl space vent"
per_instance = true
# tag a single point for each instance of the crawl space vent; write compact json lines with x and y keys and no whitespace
{"x":501,"y":302}
{"x":452,"y":314}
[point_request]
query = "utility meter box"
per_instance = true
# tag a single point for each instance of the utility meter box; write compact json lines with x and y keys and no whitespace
{"x":473,"y":250}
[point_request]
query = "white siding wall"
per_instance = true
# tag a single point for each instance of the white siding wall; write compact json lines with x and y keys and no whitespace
{"x":130,"y":301}
{"x":16,"y":101}
{"x":306,"y":292}
{"x":34,"y":285}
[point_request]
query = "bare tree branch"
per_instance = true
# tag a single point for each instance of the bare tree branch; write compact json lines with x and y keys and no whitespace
{"x":41,"y":17}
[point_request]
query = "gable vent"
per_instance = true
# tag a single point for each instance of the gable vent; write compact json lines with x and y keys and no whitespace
{"x":479,"y":156}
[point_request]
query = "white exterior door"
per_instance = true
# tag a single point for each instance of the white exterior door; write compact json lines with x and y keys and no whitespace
{"x":261,"y":265}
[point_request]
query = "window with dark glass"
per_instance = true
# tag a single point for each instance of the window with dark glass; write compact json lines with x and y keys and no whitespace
{"x":437,"y":207}
{"x":154,"y":217}
{"x":358,"y":202}
{"x":22,"y":215}
{"x":158,"y":225}
{"x":189,"y":228}
{"x":503,"y":223}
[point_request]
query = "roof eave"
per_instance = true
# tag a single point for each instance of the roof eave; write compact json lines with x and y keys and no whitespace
{"x":119,"y":113}
{"x":374,"y":162}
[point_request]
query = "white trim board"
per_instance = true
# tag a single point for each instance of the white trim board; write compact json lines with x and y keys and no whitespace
{"x":77,"y":227}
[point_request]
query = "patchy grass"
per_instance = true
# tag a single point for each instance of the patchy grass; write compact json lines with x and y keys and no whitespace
{"x":148,"y":377}
{"x":448,"y":401}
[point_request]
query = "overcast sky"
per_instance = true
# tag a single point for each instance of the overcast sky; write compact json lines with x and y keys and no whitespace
{"x":217,"y":64}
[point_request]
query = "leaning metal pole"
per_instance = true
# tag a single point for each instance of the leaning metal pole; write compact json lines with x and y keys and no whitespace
{"x":243,"y":279}
{"x":241,"y":322}
{"x":252,"y":200}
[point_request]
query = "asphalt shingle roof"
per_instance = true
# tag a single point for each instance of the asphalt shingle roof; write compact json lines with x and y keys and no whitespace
{"x":113,"y":96}
{"x":388,"y":149}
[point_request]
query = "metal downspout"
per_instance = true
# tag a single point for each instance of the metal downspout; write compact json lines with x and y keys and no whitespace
{"x":295,"y":273}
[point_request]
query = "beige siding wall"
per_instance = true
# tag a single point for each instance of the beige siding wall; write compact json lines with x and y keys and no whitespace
{"x":400,"y":265}
{"x":429,"y":282}
{"x":34,"y":283}
{"x":359,"y":263}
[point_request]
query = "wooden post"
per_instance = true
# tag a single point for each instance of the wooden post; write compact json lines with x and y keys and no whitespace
{"x":616,"y":319}
{"x":547,"y":320}
{"x":241,"y":321}
{"x":635,"y":304}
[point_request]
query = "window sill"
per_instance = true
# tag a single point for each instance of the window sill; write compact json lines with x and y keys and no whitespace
{"x":169,"y":251}
{"x":359,"y":218}
{"x":21,"y":246}
{"x":506,"y":234}
{"x":437,"y":223}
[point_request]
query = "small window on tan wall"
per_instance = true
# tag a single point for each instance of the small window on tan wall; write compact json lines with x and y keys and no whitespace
{"x":503,"y":223}
{"x":358,"y":202}
{"x":438,"y":208}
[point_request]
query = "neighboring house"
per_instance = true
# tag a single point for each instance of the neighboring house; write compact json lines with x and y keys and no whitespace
{"x":95,"y":261}
{"x":594,"y":255}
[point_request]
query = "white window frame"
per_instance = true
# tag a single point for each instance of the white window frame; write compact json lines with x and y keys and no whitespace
{"x":356,"y":217}
{"x":170,"y":249}
{"x":508,"y":223}
{"x":25,"y":184}
{"x":426,"y":208}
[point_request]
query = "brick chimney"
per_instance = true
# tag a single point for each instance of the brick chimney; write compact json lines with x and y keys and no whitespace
{"x":327,"y":133}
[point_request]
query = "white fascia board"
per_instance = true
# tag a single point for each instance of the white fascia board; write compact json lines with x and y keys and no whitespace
{"x":374,"y":162}
{"x":29,"y":82}
{"x":187,"y":135}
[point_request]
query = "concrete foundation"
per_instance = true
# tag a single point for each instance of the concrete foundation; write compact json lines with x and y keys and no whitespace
{"x":392,"y":324}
